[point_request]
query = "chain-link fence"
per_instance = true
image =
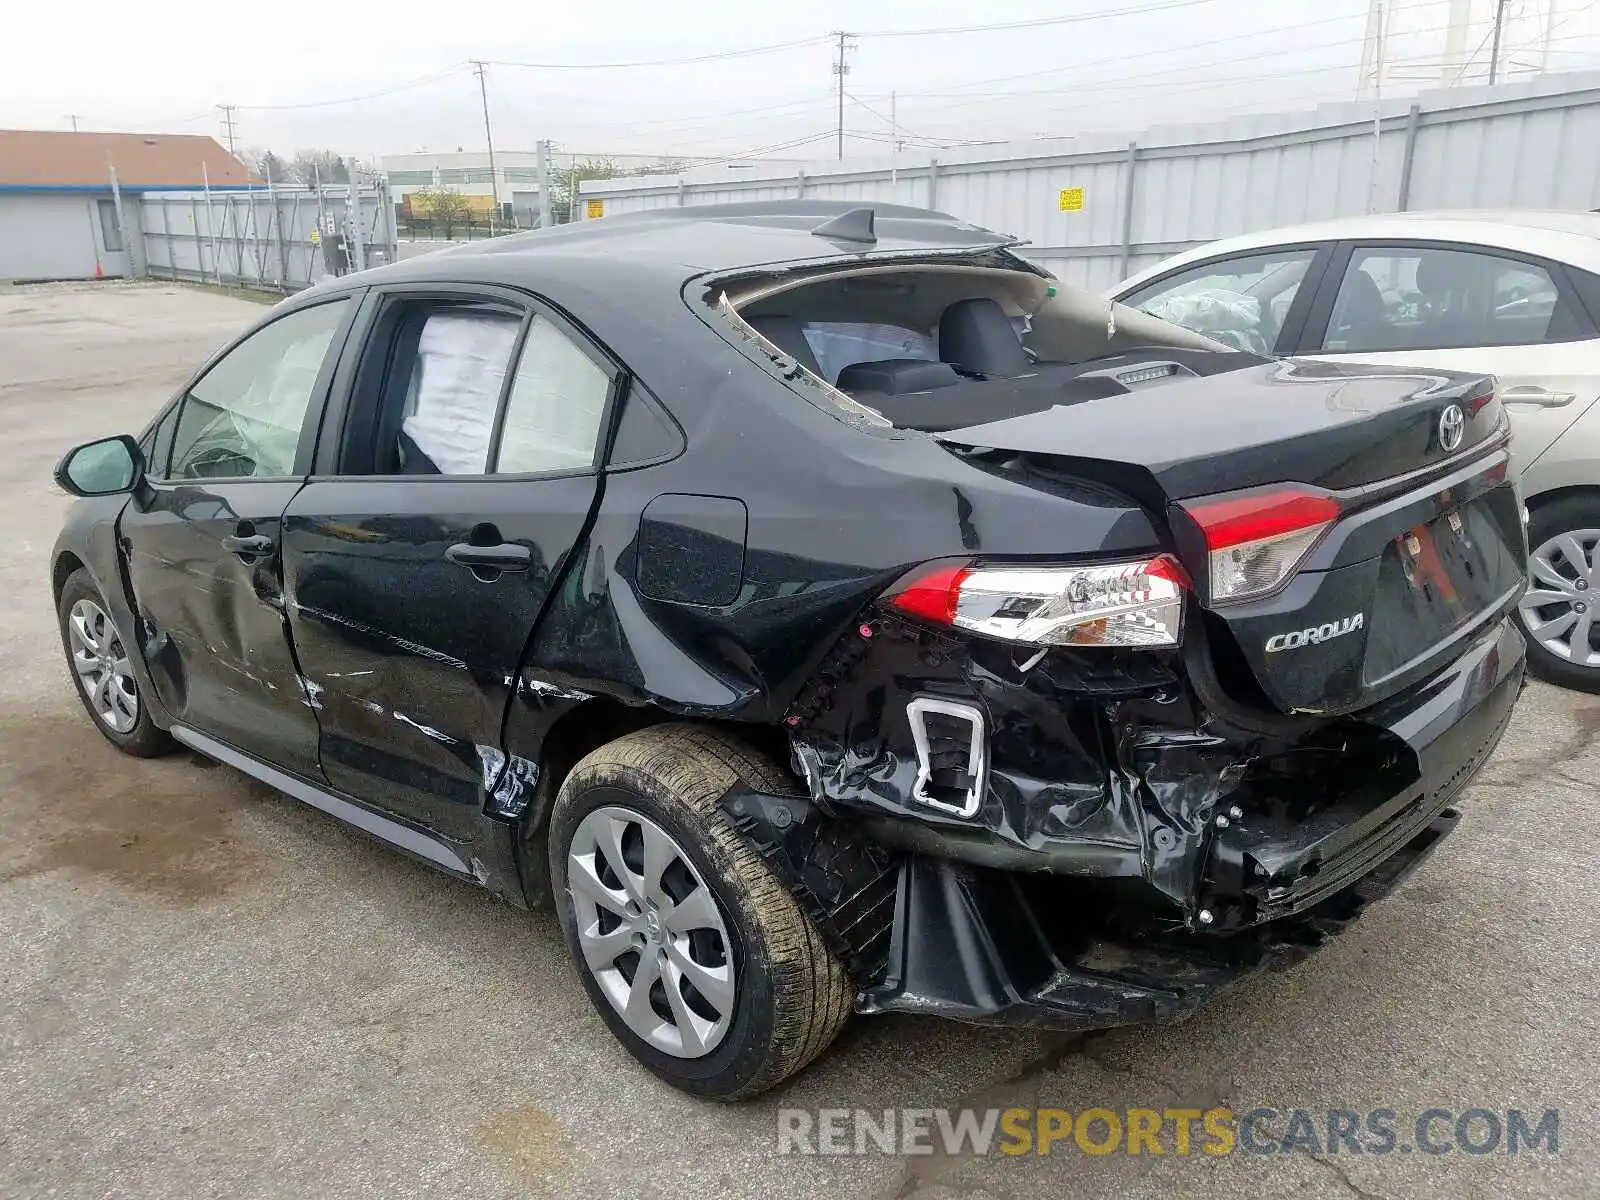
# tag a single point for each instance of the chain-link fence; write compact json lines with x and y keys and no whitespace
{"x":271,"y":239}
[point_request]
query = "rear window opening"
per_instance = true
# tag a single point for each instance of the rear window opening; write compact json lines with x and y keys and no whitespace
{"x":937,"y":347}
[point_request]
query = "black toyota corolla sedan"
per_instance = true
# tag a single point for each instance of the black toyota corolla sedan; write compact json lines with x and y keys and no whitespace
{"x":824,"y":609}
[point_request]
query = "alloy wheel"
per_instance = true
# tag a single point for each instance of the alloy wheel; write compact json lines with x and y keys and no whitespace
{"x":1558,"y":609}
{"x":650,"y":932}
{"x":101,"y":664}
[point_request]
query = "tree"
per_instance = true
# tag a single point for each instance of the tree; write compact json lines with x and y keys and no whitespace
{"x":444,"y":207}
{"x":564,"y":196}
{"x":268,"y":166}
{"x":311,"y":167}
{"x":564,"y":182}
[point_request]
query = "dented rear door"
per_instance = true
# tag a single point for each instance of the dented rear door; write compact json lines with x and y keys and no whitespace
{"x":412,"y":596}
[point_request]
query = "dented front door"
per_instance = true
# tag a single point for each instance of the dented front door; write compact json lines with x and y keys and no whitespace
{"x":202,"y":537}
{"x":203,"y":559}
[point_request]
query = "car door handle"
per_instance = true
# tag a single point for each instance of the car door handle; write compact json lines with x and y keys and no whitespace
{"x":1535,"y":396}
{"x":249,"y":545}
{"x":507,"y":556}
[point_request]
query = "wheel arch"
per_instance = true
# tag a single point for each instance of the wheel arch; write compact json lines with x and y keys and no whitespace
{"x":583,"y":727}
{"x":65,"y":565}
{"x":1543,"y":499}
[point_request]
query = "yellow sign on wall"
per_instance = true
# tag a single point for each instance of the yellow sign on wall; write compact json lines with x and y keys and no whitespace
{"x":593,"y":209}
{"x":1072,"y":199}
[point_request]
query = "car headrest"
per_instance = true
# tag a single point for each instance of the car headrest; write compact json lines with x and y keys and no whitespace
{"x":788,"y":335}
{"x":1441,"y":272}
{"x":976,"y":335}
{"x":897,"y":376}
{"x":1361,"y":300}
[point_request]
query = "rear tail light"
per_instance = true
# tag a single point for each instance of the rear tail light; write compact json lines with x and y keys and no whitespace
{"x":1256,"y":542}
{"x":1113,"y":604}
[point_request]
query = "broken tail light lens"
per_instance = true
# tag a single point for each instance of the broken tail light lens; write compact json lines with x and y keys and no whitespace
{"x":1256,"y":541}
{"x":1112,"y":604}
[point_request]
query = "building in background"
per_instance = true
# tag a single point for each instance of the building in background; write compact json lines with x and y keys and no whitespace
{"x":467,"y":172}
{"x":59,"y":211}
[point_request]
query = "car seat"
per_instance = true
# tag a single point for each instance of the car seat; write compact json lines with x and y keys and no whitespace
{"x":976,"y":336}
{"x":1362,"y":318}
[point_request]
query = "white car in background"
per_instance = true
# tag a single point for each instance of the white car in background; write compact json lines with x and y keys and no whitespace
{"x":1513,"y":294}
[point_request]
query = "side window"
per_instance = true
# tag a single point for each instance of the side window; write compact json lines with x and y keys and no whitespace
{"x":1242,"y":302}
{"x":557,"y":401}
{"x":453,"y":402}
{"x":453,"y":375}
{"x":1432,"y":298}
{"x":243,"y":417}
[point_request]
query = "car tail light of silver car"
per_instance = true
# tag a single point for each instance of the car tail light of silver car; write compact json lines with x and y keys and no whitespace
{"x":1110,"y":604}
{"x":1255,"y":541}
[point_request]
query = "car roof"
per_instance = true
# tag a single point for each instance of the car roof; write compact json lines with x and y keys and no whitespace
{"x":1571,"y":237}
{"x":679,"y":243}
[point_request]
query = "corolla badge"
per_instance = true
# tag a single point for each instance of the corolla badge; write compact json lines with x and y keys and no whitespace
{"x":1315,"y":635}
{"x":1452,"y":425}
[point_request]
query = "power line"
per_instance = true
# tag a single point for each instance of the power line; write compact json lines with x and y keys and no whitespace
{"x":420,"y":81}
{"x":1121,"y":60}
{"x":746,"y":52}
{"x":1037,"y":22}
{"x":759,"y":150}
{"x":1124,"y":81}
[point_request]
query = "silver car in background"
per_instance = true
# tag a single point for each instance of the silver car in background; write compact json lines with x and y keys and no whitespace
{"x":1515,"y":294}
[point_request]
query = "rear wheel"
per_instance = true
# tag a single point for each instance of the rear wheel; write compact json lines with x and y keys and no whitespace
{"x":1558,"y":611}
{"x":101,"y":667}
{"x":697,"y":958}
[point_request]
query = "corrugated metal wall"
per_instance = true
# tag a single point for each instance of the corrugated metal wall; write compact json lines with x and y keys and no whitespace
{"x":1533,"y":144}
{"x":259,"y":238}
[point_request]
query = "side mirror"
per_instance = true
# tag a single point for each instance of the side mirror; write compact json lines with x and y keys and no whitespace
{"x":103,"y":468}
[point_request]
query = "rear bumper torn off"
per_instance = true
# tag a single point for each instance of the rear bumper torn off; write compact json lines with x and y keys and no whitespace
{"x":983,"y":946}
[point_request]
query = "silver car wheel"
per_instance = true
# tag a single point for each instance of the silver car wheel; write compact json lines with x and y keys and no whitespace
{"x":650,"y":932}
{"x":1558,"y":608}
{"x":101,"y":664}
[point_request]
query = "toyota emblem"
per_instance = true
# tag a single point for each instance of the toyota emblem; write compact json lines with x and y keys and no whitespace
{"x":1452,"y":425}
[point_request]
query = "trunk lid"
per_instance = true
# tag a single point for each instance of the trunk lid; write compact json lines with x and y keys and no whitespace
{"x":1424,"y":548}
{"x":1330,"y":425}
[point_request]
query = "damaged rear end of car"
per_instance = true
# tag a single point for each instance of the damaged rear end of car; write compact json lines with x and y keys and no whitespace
{"x":1214,"y":696}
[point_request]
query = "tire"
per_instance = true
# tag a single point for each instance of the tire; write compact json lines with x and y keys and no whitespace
{"x":790,"y":996}
{"x":1556,"y":645}
{"x":124,"y":718}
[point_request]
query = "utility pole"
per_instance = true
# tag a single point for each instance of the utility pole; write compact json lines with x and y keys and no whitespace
{"x":73,"y":117}
{"x":478,"y":69}
{"x":841,"y":69}
{"x":227,"y":123}
{"x":894,"y":141}
{"x":1494,"y":50}
{"x":542,"y":147}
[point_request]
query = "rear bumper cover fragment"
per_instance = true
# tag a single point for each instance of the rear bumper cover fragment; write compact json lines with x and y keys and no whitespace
{"x":974,"y":945}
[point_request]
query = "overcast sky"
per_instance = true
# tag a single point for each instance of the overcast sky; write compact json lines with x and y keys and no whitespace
{"x":295,"y":68}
